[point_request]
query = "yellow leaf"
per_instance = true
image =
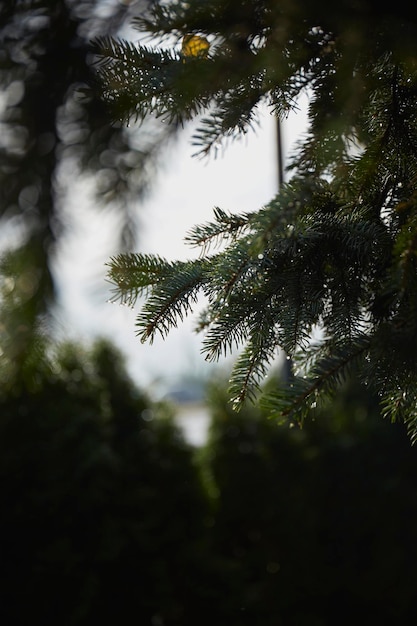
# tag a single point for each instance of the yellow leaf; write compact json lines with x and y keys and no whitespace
{"x":195,"y":46}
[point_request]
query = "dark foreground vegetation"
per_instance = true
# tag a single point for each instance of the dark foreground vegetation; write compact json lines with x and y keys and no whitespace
{"x":109,"y":517}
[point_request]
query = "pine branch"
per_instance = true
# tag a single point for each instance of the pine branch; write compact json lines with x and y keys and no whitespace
{"x":253,"y":363}
{"x":331,"y":365}
{"x":233,"y":118}
{"x":139,"y":81}
{"x":399,"y":404}
{"x":227,"y":227}
{"x":171,"y":299}
{"x":224,"y":335}
{"x":135,"y":274}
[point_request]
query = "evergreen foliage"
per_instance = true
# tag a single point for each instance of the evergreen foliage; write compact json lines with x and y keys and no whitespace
{"x":334,"y":253}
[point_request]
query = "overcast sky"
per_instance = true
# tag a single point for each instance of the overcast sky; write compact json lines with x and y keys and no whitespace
{"x":187,"y":189}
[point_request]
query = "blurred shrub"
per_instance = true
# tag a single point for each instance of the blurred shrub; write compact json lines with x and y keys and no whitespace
{"x":109,"y":517}
{"x":103,"y":512}
{"x":319,"y":525}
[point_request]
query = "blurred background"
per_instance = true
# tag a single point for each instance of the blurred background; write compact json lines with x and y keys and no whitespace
{"x":129,"y":488}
